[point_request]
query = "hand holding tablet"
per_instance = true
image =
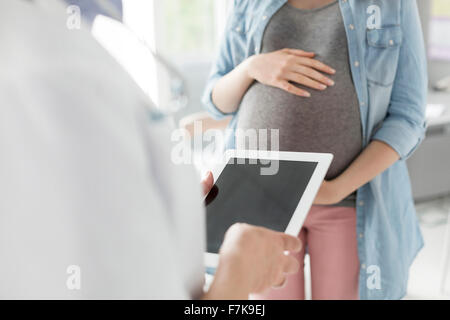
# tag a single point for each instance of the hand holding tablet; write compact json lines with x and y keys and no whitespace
{"x":249,"y":190}
{"x":253,"y":259}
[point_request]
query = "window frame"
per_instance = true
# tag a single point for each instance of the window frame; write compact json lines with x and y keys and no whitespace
{"x":182,"y":58}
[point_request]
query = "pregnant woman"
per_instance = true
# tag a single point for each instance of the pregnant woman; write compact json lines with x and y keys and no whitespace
{"x":349,"y":78}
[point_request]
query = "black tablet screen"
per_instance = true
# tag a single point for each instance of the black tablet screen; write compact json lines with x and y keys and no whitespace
{"x":243,"y":194}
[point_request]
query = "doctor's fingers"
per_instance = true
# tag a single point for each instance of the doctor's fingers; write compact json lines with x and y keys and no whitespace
{"x":290,"y":243}
{"x":207,"y":182}
{"x":289,"y":265}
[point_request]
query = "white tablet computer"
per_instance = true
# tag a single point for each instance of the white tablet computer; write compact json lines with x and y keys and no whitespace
{"x":264,"y":188}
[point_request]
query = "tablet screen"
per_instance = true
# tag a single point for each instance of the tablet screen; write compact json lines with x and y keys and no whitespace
{"x":242,"y":194}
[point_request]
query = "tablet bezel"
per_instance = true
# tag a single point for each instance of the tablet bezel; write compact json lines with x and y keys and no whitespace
{"x":323,"y":161}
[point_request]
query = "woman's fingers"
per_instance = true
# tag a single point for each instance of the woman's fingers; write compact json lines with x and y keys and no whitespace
{"x":288,"y":87}
{"x":304,"y":80}
{"x":313,"y":74}
{"x":315,"y":64}
{"x":300,"y":53}
{"x":302,"y":69}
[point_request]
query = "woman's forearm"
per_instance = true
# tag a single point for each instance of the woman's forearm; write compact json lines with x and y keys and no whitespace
{"x":229,"y":90}
{"x":376,"y":158}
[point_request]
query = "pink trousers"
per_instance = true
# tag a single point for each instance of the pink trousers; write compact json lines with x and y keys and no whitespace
{"x":329,"y":233}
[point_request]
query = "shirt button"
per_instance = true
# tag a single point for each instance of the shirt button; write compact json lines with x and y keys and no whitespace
{"x":264,"y":17}
{"x":361,"y":235}
{"x":363,"y":266}
{"x":362,"y":104}
{"x":361,"y":203}
{"x":357,"y":64}
{"x":352,"y":27}
{"x":391,"y":42}
{"x":238,"y":29}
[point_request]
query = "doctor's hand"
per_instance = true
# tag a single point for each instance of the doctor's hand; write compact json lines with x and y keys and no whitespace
{"x":284,"y":67}
{"x":253,"y":259}
{"x":207,"y":183}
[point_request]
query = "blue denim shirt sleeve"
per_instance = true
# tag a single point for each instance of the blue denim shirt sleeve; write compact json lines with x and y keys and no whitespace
{"x":404,"y":126}
{"x":222,"y":65}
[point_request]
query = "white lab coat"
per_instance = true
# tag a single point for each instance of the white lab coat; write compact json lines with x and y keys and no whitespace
{"x":90,"y":204}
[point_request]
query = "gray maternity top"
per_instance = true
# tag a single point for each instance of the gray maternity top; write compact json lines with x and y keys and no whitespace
{"x":328,"y":121}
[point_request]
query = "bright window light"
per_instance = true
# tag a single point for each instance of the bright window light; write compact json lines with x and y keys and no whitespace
{"x":129,"y":44}
{"x":439,"y":26}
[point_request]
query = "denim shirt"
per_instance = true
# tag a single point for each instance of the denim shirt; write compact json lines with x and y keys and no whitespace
{"x":388,"y":66}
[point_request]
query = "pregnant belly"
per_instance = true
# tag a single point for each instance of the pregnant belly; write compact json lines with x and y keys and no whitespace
{"x":327,"y":122}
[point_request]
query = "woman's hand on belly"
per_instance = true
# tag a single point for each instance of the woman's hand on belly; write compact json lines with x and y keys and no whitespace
{"x":283,"y":67}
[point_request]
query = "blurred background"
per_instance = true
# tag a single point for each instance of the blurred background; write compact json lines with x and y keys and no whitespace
{"x":185,"y":34}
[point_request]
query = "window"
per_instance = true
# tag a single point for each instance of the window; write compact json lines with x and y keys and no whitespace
{"x":189,"y":29}
{"x":128,"y":43}
{"x":184,"y":32}
{"x":440,"y":24}
{"x":187,"y":34}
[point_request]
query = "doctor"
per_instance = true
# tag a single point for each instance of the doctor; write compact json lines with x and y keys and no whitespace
{"x":91,"y":205}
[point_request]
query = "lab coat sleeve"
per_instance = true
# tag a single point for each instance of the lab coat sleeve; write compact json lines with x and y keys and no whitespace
{"x":92,"y":207}
{"x":404,"y":127}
